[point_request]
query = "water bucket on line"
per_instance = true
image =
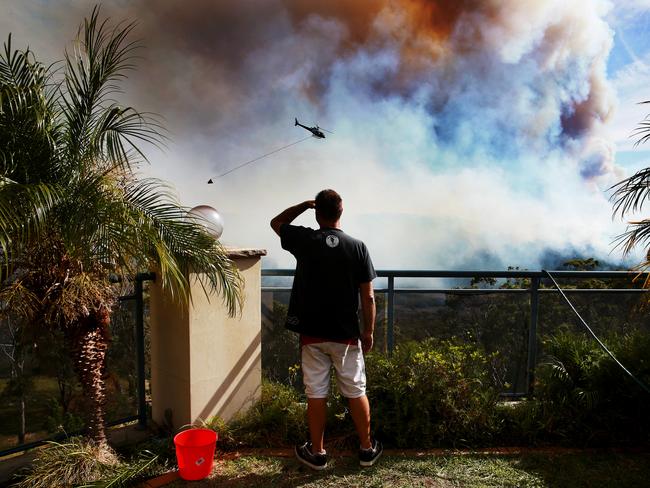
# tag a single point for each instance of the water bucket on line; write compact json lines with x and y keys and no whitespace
{"x":195,"y":453}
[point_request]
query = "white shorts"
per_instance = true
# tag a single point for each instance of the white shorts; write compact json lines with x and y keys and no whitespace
{"x":350,"y":368}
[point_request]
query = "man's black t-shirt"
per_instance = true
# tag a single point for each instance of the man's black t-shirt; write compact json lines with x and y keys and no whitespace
{"x":325,"y":295}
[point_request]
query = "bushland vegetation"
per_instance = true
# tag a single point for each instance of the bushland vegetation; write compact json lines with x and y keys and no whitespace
{"x":456,"y":354}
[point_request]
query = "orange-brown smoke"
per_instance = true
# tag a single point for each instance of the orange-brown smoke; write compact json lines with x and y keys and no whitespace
{"x":419,"y":29}
{"x":432,"y":19}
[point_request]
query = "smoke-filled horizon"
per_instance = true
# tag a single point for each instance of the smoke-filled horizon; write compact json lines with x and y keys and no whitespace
{"x":467,"y":134}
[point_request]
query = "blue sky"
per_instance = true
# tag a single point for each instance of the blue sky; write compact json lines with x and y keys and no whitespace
{"x":627,"y":68}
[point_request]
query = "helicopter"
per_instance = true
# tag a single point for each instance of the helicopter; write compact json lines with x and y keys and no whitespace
{"x":316,"y":131}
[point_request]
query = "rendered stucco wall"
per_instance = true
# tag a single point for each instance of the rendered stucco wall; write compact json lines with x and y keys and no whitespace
{"x":205,"y":363}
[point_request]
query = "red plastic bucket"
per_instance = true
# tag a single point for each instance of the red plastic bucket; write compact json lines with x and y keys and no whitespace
{"x":195,"y":453}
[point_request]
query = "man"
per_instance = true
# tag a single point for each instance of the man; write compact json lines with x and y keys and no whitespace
{"x":332,"y":270}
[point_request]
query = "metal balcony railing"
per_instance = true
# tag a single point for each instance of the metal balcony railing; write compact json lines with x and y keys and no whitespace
{"x":534,"y":285}
{"x":137,"y":298}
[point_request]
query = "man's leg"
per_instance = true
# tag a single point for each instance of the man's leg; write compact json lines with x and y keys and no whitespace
{"x":316,"y":418}
{"x":360,"y":412}
{"x":316,"y":376}
{"x":351,"y":377}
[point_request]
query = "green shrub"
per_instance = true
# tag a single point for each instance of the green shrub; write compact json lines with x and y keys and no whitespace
{"x":433,"y":393}
{"x":59,"y":421}
{"x":443,"y":393}
{"x":583,"y":397}
{"x":426,"y":394}
{"x":278,"y":418}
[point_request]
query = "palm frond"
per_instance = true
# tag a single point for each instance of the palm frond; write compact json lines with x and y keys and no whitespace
{"x":556,"y":369}
{"x":120,"y":129}
{"x":636,"y":234}
{"x":642,"y":131}
{"x":181,"y":245}
{"x":131,"y":224}
{"x":87,"y":143}
{"x":18,"y":299}
{"x":97,"y":126}
{"x":28,"y":123}
{"x":631,"y":193}
{"x":588,"y":399}
{"x":24,"y":210}
{"x":74,"y":298}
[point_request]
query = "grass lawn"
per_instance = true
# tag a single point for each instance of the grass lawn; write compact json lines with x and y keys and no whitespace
{"x":586,"y":469}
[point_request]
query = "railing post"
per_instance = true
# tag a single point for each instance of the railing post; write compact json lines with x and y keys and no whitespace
{"x":390,"y":298}
{"x":384,"y":323}
{"x":532,"y":333}
{"x":139,"y":319}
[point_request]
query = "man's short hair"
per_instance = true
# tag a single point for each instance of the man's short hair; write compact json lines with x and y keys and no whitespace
{"x":329,"y":205}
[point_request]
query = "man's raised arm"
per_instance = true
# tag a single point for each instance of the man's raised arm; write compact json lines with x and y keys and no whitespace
{"x":289,"y":215}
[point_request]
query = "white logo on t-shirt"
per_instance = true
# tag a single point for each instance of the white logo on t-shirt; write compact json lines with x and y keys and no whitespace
{"x":332,"y":240}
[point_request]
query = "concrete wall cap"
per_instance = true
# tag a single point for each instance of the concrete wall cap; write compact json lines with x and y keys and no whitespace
{"x":244,"y":252}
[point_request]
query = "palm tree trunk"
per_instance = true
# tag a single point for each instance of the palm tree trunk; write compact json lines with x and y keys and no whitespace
{"x":89,"y":345}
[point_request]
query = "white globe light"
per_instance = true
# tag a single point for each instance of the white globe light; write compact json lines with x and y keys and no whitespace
{"x":209,"y":218}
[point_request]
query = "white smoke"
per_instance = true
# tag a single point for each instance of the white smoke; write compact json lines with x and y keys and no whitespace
{"x":496,"y":151}
{"x":476,"y":142}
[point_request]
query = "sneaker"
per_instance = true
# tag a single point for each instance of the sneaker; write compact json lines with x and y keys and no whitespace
{"x":305,"y":456}
{"x":368,"y":457}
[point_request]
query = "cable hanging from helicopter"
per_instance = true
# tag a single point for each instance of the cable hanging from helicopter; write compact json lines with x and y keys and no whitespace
{"x":316,"y":132}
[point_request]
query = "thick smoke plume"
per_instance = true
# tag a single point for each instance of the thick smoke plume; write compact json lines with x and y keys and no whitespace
{"x":506,"y":77}
{"x":514,"y":76}
{"x":467,"y":133}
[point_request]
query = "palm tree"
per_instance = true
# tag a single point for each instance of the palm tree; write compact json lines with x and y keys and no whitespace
{"x":629,"y":196}
{"x":73,"y":213}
